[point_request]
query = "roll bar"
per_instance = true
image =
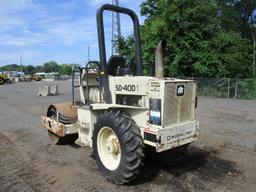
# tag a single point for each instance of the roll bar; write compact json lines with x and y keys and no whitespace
{"x":102,"y":48}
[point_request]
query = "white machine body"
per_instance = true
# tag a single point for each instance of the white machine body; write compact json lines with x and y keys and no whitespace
{"x":163,"y":108}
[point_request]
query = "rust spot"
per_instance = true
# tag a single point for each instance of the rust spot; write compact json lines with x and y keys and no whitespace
{"x":147,"y":130}
{"x":183,"y":107}
{"x":67,"y":109}
{"x":53,"y":126}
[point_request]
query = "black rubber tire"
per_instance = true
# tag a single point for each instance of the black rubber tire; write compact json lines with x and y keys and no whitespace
{"x":2,"y":81}
{"x":132,"y":148}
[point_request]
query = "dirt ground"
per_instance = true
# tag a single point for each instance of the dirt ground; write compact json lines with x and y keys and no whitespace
{"x":224,"y":158}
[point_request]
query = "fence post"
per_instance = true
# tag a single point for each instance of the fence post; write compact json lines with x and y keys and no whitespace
{"x":236,"y":89}
{"x":228,"y":87}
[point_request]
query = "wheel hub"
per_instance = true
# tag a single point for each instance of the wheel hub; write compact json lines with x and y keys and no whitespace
{"x":113,"y":146}
{"x":109,"y":148}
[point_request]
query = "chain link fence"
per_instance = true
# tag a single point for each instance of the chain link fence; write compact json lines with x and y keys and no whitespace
{"x":226,"y":88}
{"x":220,"y":87}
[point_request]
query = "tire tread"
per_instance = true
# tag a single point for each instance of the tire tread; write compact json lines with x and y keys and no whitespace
{"x":133,"y":154}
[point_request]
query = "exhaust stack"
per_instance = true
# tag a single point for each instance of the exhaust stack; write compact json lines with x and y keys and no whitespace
{"x":159,"y":59}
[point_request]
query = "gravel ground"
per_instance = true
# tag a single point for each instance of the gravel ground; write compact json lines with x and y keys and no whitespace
{"x":224,"y":158}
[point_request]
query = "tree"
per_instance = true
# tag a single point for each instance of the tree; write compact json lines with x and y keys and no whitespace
{"x":65,"y":69}
{"x":39,"y":69}
{"x":242,"y":14}
{"x":11,"y":67}
{"x":203,"y":38}
{"x":30,"y":69}
{"x":48,"y":67}
{"x":51,"y":66}
{"x":126,"y":48}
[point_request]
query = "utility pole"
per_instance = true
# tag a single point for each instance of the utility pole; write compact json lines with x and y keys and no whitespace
{"x":88,"y":53}
{"x":21,"y":68}
{"x":116,"y":28}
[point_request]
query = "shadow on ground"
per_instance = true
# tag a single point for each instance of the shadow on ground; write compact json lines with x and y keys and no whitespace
{"x":175,"y":166}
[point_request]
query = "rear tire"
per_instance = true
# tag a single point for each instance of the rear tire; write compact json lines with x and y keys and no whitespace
{"x":117,"y":147}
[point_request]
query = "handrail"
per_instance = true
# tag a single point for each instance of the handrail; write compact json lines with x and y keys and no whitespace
{"x":75,"y":69}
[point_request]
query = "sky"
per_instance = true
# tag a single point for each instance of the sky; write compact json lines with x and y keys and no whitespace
{"x":55,"y":30}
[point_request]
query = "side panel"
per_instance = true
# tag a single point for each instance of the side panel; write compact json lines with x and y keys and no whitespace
{"x":141,"y":117}
{"x":160,"y":127}
{"x":127,"y":85}
{"x":86,"y":120}
{"x":130,"y":86}
{"x":179,"y":100}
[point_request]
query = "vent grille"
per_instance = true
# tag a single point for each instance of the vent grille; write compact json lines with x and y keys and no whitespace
{"x":178,"y":109}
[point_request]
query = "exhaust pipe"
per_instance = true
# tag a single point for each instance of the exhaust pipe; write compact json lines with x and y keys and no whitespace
{"x":159,"y":59}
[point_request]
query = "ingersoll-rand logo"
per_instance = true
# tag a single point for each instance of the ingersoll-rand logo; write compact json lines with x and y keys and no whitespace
{"x":180,"y":90}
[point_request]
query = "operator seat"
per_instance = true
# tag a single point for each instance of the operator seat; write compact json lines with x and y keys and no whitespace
{"x":115,"y":63}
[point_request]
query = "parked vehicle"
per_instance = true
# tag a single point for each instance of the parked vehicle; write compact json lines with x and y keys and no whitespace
{"x":4,"y":79}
